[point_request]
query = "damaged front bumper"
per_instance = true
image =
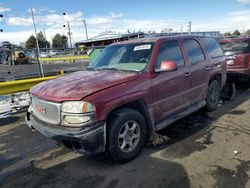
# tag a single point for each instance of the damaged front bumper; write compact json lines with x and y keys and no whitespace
{"x":90,"y":139}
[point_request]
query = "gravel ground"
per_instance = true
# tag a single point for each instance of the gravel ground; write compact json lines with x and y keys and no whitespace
{"x":201,"y":150}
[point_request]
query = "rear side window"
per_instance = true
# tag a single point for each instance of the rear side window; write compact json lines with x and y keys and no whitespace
{"x":213,"y":48}
{"x":194,"y":51}
{"x":170,"y":50}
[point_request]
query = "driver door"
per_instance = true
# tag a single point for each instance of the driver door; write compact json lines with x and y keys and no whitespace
{"x":171,"y":89}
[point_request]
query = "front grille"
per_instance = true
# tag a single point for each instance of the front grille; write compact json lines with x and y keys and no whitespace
{"x":46,"y":111}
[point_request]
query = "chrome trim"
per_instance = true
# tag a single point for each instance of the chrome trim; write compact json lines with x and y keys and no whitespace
{"x":53,"y":113}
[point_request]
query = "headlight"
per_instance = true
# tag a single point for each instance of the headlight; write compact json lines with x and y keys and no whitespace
{"x":77,"y":107}
{"x":76,"y":120}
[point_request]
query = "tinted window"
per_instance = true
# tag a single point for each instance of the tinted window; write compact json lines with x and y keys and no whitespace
{"x":194,"y":51}
{"x":238,"y":46}
{"x":170,"y":51}
{"x":213,"y":48}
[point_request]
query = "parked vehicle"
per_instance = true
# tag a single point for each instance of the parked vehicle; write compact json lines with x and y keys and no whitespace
{"x":44,"y":54}
{"x":19,"y":58}
{"x":6,"y":44}
{"x":131,"y":90}
{"x":53,"y":52}
{"x":237,"y":51}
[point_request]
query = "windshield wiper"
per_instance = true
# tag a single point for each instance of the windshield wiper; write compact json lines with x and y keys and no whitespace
{"x":90,"y":68}
{"x":111,"y":68}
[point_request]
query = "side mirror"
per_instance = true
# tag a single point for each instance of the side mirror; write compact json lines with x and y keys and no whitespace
{"x":167,"y":66}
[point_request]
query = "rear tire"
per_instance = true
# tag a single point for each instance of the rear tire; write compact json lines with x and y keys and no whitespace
{"x":126,"y":134}
{"x":213,"y":95}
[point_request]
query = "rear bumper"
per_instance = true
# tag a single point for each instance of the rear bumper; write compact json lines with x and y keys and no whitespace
{"x":87,"y":140}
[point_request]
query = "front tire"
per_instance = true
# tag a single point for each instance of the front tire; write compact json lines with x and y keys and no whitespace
{"x":213,"y":95}
{"x":126,"y":135}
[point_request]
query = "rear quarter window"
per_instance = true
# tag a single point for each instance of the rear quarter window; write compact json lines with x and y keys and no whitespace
{"x":213,"y":48}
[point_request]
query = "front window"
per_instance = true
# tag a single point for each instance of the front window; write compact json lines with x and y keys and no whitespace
{"x":239,"y":46}
{"x":127,"y":57}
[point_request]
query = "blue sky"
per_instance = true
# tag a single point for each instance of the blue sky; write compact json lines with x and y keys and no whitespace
{"x":119,"y":16}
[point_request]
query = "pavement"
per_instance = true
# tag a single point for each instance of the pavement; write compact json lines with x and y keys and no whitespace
{"x":202,"y":150}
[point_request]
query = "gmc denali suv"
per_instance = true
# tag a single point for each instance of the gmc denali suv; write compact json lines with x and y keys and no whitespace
{"x":131,"y":90}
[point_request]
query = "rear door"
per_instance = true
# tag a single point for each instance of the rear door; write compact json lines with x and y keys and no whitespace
{"x":199,"y":69}
{"x":171,"y":89}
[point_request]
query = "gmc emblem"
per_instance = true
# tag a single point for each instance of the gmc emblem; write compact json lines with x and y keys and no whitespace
{"x":41,"y":109}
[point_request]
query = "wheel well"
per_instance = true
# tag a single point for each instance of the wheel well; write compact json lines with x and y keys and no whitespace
{"x":140,"y":106}
{"x":216,"y":77}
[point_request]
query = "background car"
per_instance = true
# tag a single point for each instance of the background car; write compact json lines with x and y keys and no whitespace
{"x":237,"y":51}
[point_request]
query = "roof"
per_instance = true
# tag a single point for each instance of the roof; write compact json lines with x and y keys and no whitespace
{"x":154,"y":39}
{"x":234,"y":39}
{"x":109,"y":37}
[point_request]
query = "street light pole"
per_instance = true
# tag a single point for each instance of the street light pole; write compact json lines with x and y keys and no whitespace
{"x":37,"y":46}
{"x":189,"y":27}
{"x":86,"y":31}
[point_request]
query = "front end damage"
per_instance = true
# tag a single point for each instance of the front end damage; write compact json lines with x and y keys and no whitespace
{"x":88,"y":140}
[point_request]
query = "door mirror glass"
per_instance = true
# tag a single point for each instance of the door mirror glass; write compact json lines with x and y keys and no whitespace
{"x":167,"y":66}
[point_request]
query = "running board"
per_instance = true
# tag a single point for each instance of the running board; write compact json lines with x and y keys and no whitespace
{"x":166,"y":122}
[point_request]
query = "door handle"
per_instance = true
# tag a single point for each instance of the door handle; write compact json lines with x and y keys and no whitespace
{"x":187,"y":74}
{"x":208,"y":68}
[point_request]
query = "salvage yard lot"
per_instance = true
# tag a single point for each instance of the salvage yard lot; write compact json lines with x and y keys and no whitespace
{"x":202,"y":150}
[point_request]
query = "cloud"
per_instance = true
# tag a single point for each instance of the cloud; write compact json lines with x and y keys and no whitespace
{"x":45,"y":10}
{"x":244,"y":1}
{"x":19,"y":21}
{"x":116,"y":15}
{"x":55,"y":20}
{"x":4,"y":9}
{"x":235,"y":20}
{"x":16,"y":37}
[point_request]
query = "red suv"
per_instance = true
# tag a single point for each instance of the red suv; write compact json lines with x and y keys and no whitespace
{"x":132,"y":89}
{"x":237,"y":51}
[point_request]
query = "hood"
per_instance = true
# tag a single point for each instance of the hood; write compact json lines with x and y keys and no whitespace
{"x":80,"y":84}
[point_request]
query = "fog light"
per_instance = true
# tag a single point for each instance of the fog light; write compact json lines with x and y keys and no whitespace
{"x":76,"y":119}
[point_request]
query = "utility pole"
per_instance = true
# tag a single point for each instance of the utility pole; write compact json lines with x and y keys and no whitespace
{"x":40,"y":68}
{"x":69,"y":32}
{"x":45,"y":37}
{"x":86,"y":31}
{"x":189,"y":27}
{"x":1,"y":30}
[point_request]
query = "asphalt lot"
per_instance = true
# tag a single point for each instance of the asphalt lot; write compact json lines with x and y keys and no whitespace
{"x":203,"y":150}
{"x":8,"y":72}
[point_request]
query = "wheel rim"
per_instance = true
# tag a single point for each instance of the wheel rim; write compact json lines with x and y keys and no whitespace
{"x":213,"y":95}
{"x":129,"y":136}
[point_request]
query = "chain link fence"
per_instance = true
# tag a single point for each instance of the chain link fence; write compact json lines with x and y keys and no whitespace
{"x":21,"y":64}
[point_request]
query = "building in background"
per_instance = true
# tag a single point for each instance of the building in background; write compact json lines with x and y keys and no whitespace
{"x":109,"y":37}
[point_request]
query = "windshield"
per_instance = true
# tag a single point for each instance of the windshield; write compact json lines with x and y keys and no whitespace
{"x":239,"y":46}
{"x":128,"y":57}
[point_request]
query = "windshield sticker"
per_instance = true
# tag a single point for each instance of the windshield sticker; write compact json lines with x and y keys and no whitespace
{"x":142,"y":47}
